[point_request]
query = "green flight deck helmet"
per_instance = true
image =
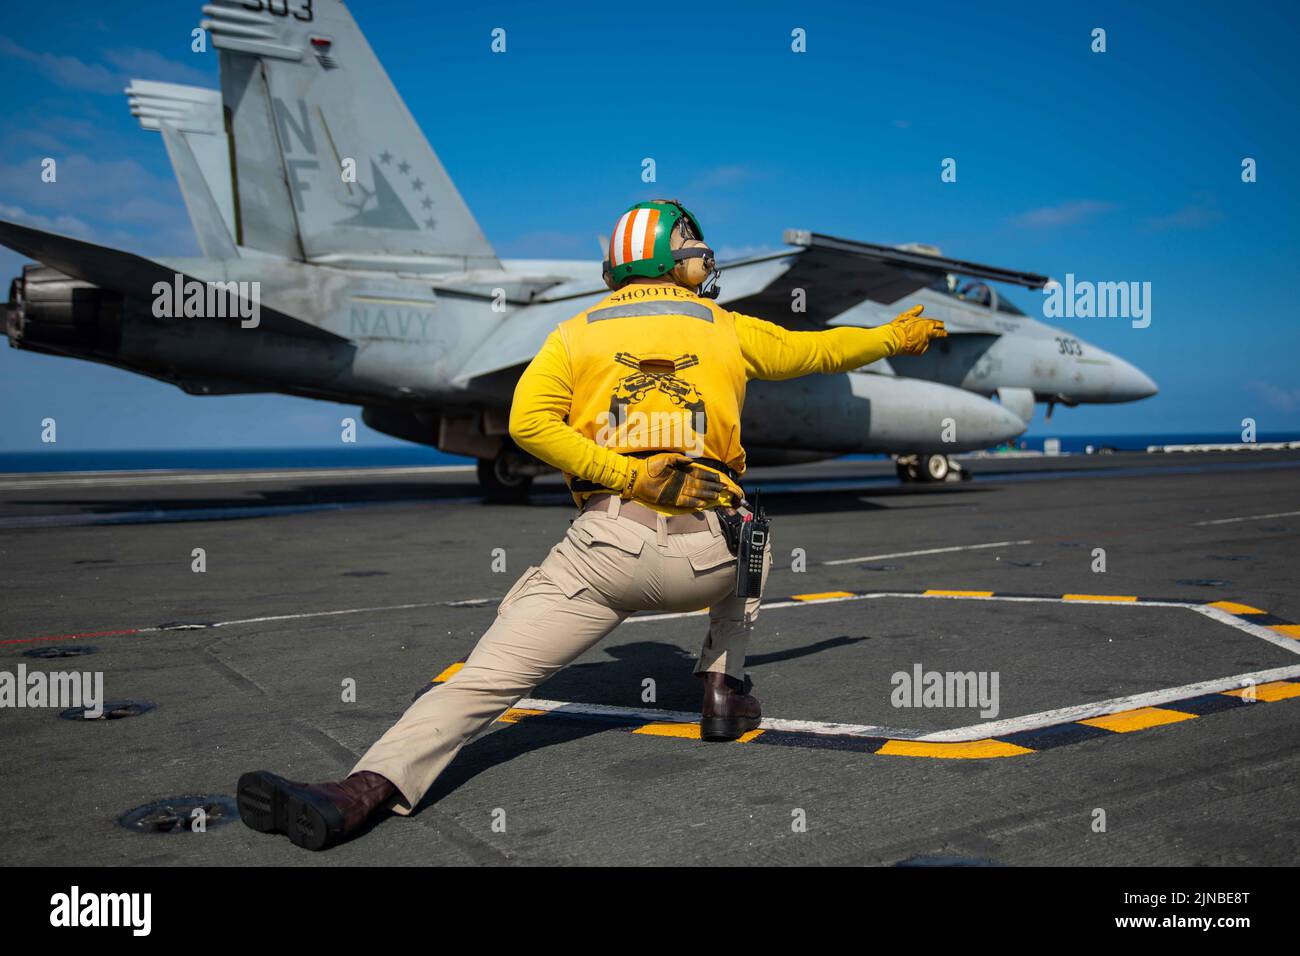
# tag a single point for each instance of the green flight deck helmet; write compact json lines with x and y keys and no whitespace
{"x":642,"y":241}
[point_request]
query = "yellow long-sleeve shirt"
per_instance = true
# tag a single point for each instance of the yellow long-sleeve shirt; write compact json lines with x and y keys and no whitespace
{"x":566,"y":396}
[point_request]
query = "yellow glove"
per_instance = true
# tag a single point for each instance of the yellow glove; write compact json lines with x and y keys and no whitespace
{"x":673,"y":479}
{"x":917,"y":331}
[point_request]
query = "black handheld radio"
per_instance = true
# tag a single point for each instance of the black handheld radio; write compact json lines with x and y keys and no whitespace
{"x":751,"y":552}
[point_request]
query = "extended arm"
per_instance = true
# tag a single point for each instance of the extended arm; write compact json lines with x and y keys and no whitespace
{"x":774,"y":353}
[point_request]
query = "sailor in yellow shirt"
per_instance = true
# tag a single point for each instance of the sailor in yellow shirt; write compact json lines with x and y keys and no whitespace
{"x":637,"y":401}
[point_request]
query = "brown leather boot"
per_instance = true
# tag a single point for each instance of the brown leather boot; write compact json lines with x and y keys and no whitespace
{"x":729,"y":709}
{"x":312,"y":815}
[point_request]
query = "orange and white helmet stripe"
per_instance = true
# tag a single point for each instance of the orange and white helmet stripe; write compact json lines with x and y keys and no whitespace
{"x":634,"y":236}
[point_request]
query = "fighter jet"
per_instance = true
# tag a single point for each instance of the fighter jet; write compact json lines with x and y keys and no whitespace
{"x":993,"y":349}
{"x":340,"y":263}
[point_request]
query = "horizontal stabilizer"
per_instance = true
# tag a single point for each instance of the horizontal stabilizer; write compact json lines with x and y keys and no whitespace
{"x":125,"y":272}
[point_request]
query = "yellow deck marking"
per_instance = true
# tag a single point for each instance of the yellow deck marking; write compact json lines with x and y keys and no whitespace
{"x":935,"y":592}
{"x":516,"y":714}
{"x":1232,"y":607}
{"x":1274,"y":690}
{"x":972,"y":750}
{"x":669,"y":728}
{"x":449,"y":672}
{"x":822,"y":595}
{"x":1287,"y":630}
{"x":1127,"y":721}
{"x":1097,"y":597}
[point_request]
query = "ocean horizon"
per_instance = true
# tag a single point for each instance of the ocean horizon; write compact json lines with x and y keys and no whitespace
{"x":398,"y":456}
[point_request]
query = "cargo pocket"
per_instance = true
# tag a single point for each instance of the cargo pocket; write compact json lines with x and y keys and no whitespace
{"x":712,"y":556}
{"x":513,"y":594}
{"x":606,"y":531}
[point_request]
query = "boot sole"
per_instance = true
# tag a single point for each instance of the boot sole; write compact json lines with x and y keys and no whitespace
{"x":727,"y":728}
{"x":271,"y":804}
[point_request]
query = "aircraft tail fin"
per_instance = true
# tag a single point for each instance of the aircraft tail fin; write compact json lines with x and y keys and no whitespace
{"x":329,"y":164}
{"x":189,"y":119}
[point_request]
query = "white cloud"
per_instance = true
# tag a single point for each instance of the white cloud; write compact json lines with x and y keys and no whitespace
{"x":1062,"y":214}
{"x":83,"y":182}
{"x":77,"y":74}
{"x":69,"y":225}
{"x":150,"y":65}
{"x":1189,"y":217}
{"x":115,"y":202}
{"x":1283,"y":399}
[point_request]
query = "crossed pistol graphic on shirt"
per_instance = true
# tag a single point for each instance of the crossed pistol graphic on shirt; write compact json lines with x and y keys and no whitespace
{"x":632,"y":388}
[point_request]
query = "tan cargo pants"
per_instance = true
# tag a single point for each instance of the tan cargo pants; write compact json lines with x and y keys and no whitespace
{"x":605,"y":568}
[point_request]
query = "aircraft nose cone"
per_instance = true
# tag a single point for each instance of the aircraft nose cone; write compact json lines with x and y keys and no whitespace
{"x":1132,"y":384}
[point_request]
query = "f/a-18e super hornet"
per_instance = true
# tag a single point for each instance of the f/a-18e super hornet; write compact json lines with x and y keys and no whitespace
{"x":313,"y":192}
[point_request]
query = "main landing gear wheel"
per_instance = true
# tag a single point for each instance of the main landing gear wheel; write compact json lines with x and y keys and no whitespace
{"x":501,"y":477}
{"x":934,"y":467}
{"x":928,"y":468}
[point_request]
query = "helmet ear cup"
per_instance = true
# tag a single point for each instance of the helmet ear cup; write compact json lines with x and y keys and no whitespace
{"x":691,"y":272}
{"x":608,"y":276}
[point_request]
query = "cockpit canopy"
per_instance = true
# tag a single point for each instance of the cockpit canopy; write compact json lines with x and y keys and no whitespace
{"x":976,"y":293}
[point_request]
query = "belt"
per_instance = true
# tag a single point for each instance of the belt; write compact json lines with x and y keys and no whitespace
{"x":648,"y":517}
{"x":582,"y":484}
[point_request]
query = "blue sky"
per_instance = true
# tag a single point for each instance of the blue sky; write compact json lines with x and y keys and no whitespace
{"x":1116,"y":166}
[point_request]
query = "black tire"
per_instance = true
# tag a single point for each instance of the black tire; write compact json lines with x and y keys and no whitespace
{"x":934,"y":468}
{"x":499,"y":482}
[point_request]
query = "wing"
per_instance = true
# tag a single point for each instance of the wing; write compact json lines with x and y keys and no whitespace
{"x":838,"y":274}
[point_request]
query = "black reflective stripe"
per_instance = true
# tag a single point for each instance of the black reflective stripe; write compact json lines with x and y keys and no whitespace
{"x":692,"y":309}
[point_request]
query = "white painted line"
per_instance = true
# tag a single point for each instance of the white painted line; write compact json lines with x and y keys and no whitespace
{"x":109,"y":479}
{"x":1155,"y":698}
{"x":1223,"y":617}
{"x":776,"y":605}
{"x":912,"y":554}
{"x":351,"y":610}
{"x":691,"y":717}
{"x":1049,"y":717}
{"x":996,"y":728}
{"x":1255,"y":630}
{"x":1275,"y":514}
